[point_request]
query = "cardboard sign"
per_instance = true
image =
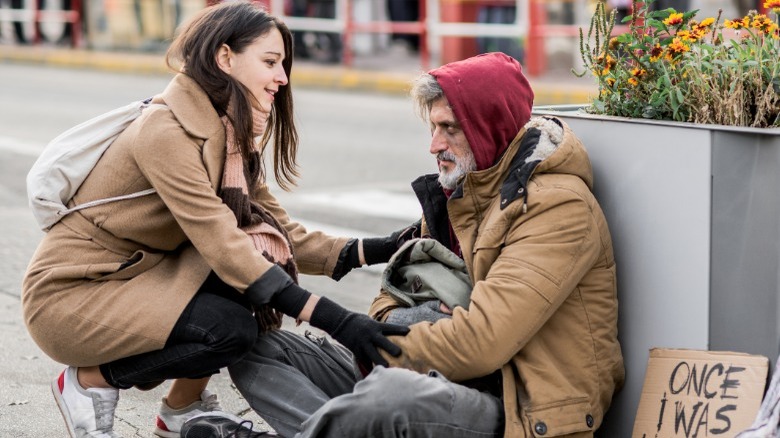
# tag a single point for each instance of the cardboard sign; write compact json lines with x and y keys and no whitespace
{"x":691,"y":393}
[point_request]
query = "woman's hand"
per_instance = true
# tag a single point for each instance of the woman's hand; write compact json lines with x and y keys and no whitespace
{"x":363,"y":336}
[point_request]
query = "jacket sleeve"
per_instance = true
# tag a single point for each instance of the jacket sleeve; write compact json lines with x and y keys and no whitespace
{"x":381,"y":306}
{"x":172,"y":162}
{"x":316,"y":253}
{"x":543,"y":256}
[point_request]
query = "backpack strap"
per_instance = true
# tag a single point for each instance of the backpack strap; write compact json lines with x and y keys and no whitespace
{"x":106,"y":201}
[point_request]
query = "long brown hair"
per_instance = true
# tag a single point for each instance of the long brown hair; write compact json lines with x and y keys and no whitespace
{"x":238,"y":24}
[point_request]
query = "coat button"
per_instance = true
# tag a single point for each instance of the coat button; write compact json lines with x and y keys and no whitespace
{"x":540,"y":428}
{"x":589,"y":420}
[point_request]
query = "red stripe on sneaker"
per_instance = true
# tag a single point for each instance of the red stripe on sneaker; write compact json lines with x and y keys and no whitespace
{"x":161,"y":425}
{"x":61,"y":382}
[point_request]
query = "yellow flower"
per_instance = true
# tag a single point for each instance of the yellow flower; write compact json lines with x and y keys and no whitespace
{"x":638,"y":72}
{"x":763,"y":23}
{"x":656,"y":52}
{"x":613,"y":43}
{"x":674,"y":19}
{"x":633,"y":81}
{"x":707,"y":22}
{"x":739,"y":23}
{"x":610,"y":81}
{"x":688,"y":36}
{"x":611,"y":62}
{"x":773,"y":5}
{"x":677,"y":47}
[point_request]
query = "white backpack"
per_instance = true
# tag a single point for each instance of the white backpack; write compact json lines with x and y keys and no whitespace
{"x":67,"y":160}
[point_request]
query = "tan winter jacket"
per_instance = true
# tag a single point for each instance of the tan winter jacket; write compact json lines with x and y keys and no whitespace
{"x":544,"y":306}
{"x":80,"y":308}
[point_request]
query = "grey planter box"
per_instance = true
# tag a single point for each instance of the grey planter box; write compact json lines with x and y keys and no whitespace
{"x":694,"y":212}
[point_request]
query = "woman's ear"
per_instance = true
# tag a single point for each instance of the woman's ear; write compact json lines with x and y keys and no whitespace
{"x":224,"y":58}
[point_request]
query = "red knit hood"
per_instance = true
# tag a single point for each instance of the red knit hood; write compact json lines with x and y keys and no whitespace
{"x":491,"y":99}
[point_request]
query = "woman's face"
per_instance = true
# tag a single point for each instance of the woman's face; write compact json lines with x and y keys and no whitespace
{"x":258,"y":67}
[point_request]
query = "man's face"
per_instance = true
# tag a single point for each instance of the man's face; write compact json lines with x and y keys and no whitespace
{"x":449,"y":144}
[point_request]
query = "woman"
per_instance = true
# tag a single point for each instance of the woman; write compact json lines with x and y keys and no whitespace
{"x":177,"y":284}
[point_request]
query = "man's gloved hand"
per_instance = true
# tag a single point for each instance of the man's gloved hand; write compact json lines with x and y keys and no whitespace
{"x":358,"y":332}
{"x":380,"y":249}
{"x":429,"y":311}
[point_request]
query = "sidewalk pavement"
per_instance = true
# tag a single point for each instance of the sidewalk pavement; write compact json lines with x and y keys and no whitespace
{"x":385,"y":72}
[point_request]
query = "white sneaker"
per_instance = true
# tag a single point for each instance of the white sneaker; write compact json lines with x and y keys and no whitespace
{"x":169,"y":421}
{"x":87,"y":412}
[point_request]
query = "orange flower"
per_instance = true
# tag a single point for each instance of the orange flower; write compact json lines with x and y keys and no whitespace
{"x":610,"y":81}
{"x":763,"y":23}
{"x":633,"y":81}
{"x":611,"y":62}
{"x":638,"y":72}
{"x":613,"y":42}
{"x":773,"y":5}
{"x":674,"y":19}
{"x":739,"y":23}
{"x":689,"y":36}
{"x":676,"y":48}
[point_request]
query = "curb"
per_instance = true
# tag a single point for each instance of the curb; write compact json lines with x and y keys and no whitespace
{"x":547,"y":91}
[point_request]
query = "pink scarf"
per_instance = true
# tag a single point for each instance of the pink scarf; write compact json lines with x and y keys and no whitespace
{"x":266,"y":233}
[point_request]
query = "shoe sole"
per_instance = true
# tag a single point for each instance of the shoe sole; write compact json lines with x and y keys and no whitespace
{"x":55,"y":389}
{"x":165,"y":433}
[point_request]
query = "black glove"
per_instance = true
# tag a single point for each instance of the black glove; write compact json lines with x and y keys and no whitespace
{"x":362,"y":335}
{"x":278,"y":290}
{"x":380,"y":249}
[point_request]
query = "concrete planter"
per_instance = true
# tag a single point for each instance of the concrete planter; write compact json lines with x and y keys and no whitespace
{"x":694,"y":212}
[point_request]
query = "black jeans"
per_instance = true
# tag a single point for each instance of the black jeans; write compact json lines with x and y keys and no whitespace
{"x":215,"y":330}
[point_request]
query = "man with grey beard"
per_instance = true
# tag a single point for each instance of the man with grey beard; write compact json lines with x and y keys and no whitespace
{"x":536,"y":351}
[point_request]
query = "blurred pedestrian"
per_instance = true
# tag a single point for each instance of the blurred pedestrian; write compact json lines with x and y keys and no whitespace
{"x":405,"y":10}
{"x":177,"y":284}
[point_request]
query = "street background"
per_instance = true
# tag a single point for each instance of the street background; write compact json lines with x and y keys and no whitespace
{"x":361,"y":146}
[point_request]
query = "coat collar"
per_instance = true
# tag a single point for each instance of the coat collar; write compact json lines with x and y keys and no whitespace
{"x":539,"y":139}
{"x":192,"y":108}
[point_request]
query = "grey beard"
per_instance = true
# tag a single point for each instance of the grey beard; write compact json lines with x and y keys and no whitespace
{"x":449,"y":180}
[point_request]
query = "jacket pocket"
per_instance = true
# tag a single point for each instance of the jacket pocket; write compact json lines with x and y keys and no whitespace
{"x":564,"y":418}
{"x":139,"y":262}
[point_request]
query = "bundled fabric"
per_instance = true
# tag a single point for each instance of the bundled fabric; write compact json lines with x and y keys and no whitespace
{"x":67,"y":160}
{"x":423,"y":270}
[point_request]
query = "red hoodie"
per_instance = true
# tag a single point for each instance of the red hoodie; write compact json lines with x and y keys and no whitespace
{"x":492,"y":100}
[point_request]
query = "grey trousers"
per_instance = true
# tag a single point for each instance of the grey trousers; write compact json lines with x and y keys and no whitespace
{"x":309,"y":387}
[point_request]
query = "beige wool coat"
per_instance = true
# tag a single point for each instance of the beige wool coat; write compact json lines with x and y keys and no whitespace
{"x":80,"y":307}
{"x":544,"y":305}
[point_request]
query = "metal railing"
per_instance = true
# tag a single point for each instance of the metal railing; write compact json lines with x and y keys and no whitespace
{"x":35,"y":16}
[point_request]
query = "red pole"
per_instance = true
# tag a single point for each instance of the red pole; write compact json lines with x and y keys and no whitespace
{"x":425,"y":54}
{"x":76,"y":14}
{"x":535,"y":58}
{"x":346,"y":38}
